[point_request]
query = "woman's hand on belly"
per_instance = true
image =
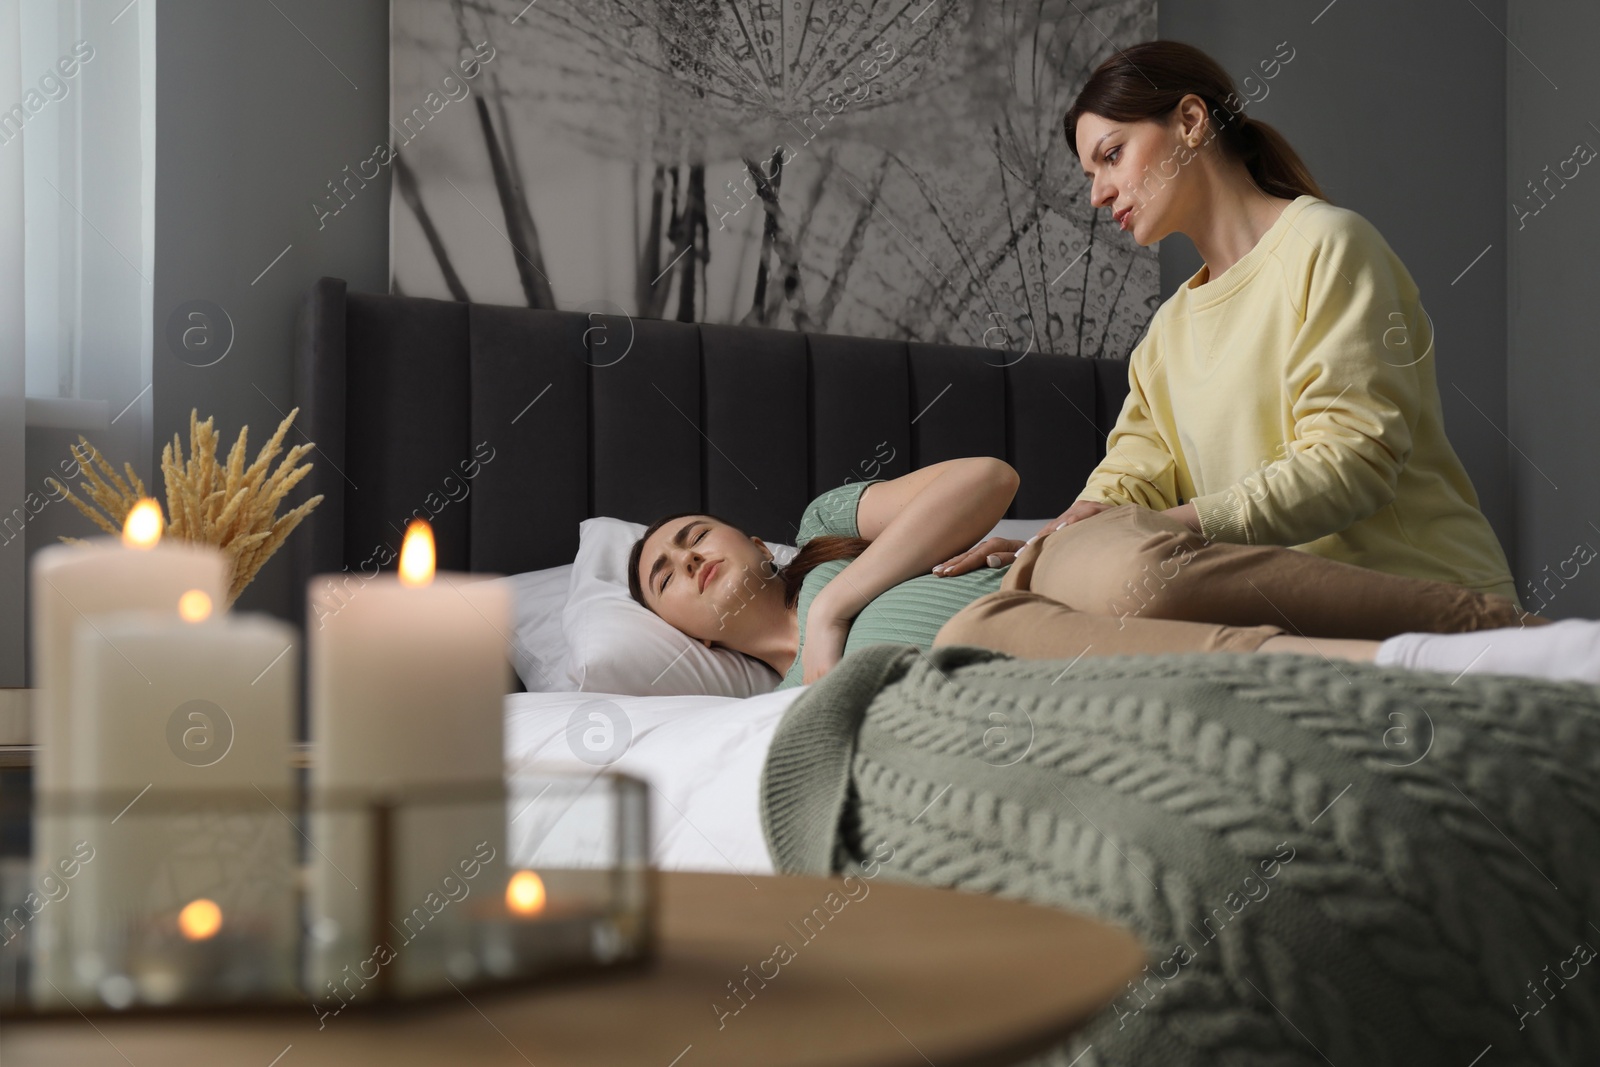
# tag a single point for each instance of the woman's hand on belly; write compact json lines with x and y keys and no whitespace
{"x":1080,"y":510}
{"x":995,"y":552}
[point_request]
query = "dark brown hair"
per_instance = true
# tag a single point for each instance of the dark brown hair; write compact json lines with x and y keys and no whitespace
{"x":1145,"y":83}
{"x":819,"y":550}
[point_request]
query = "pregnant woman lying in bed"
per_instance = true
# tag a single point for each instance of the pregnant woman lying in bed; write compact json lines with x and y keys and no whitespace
{"x":1127,"y":580}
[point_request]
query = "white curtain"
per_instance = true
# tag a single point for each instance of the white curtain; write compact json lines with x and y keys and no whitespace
{"x":77,"y":196}
{"x":12,"y":356}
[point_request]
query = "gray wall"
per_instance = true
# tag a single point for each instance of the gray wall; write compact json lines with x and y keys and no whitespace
{"x":1553,"y":382}
{"x":1399,"y":110}
{"x":256,"y":111}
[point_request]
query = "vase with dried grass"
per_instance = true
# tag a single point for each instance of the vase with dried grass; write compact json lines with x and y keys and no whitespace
{"x":228,"y":505}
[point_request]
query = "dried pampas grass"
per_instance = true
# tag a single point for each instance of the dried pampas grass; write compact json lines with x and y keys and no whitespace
{"x":228,"y":505}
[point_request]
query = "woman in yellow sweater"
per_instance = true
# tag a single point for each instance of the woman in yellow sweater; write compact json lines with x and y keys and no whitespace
{"x":1285,"y":394}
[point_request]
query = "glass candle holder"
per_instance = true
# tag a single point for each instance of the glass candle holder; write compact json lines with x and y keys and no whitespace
{"x":177,"y":898}
{"x":183,"y":900}
{"x":463,"y":895}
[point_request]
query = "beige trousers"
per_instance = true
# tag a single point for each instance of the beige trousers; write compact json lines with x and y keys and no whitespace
{"x":1130,"y":580}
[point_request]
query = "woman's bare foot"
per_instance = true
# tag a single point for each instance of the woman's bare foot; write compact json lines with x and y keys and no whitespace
{"x":1326,"y":647}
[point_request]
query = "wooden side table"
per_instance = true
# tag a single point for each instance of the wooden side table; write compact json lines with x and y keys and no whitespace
{"x":885,"y":975}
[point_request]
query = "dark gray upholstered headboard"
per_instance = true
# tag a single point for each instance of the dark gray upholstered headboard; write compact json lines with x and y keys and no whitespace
{"x":559,"y":415}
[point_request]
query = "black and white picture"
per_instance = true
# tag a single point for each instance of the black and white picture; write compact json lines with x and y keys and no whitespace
{"x":856,"y":167}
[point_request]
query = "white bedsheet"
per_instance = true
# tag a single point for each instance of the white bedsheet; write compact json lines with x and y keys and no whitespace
{"x":702,"y":757}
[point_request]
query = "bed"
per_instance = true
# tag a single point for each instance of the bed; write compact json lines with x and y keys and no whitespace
{"x":1421,"y":910}
{"x":508,"y":428}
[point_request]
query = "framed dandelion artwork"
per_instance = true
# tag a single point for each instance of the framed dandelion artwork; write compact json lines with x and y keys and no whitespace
{"x":855,"y":167}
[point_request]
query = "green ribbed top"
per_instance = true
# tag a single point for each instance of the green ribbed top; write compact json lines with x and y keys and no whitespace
{"x":906,"y":614}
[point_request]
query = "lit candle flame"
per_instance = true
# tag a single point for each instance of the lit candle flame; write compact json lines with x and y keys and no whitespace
{"x":194,"y":606}
{"x":142,"y":528}
{"x":416,"y":554}
{"x":200,"y":919}
{"x":525,"y":893}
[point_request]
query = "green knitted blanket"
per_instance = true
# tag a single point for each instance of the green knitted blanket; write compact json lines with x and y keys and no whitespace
{"x":1328,"y":863}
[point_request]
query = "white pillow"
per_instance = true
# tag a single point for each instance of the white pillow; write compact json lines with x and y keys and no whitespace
{"x":617,"y":646}
{"x":539,"y":645}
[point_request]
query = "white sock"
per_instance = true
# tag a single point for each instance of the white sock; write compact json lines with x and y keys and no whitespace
{"x":1568,"y":650}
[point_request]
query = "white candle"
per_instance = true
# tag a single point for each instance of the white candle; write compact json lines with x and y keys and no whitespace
{"x":175,"y":704}
{"x":171,"y":706}
{"x":185,"y":704}
{"x":70,"y":584}
{"x":408,"y":674}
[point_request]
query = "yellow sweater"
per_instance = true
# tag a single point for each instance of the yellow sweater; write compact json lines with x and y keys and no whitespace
{"x":1293,"y":401}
